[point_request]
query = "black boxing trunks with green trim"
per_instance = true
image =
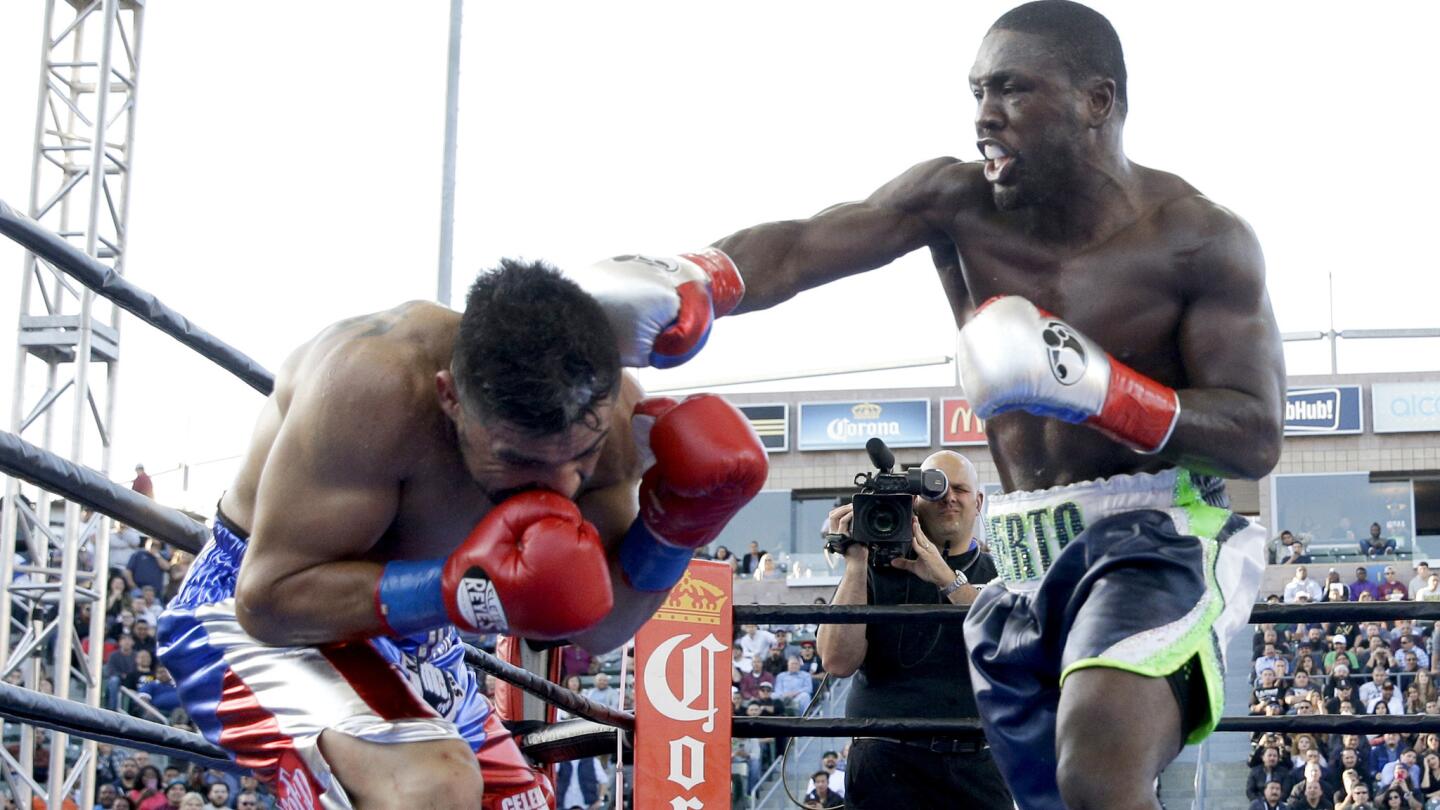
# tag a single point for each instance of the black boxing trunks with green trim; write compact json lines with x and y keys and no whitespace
{"x":1180,"y":575}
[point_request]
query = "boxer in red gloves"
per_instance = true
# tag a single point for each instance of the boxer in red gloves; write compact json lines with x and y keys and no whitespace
{"x":418,"y":471}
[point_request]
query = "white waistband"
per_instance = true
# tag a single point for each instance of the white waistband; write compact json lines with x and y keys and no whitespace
{"x":1096,"y":498}
{"x":1027,"y":530}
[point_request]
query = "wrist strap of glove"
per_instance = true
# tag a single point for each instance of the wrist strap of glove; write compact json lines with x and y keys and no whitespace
{"x":648,"y":564}
{"x":409,"y":597}
{"x":1138,"y":410}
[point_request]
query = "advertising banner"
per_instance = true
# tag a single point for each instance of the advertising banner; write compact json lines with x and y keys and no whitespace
{"x":959,"y":424}
{"x":848,"y":425}
{"x":682,"y":695}
{"x":1405,"y":407}
{"x":1325,"y":411}
{"x":771,"y":423}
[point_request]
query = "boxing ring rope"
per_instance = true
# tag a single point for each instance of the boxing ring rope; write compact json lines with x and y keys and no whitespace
{"x":923,"y":614}
{"x":59,"y":714}
{"x":568,"y":739}
{"x":106,"y":283}
{"x":20,"y":459}
{"x":548,"y":691}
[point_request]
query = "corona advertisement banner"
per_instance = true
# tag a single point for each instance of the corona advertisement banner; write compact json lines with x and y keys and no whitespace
{"x":682,"y":695}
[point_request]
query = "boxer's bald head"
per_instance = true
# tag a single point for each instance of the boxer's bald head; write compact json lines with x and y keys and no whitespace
{"x":951,"y":520}
{"x":532,"y":380}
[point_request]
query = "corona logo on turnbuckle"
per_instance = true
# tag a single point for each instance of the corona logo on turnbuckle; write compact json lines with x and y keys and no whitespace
{"x":682,"y":705}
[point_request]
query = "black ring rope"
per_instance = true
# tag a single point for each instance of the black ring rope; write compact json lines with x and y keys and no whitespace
{"x":922,"y":614}
{"x":912,"y":727}
{"x":83,"y":485}
{"x":549,"y":691}
{"x":68,"y":716}
{"x":107,"y":283}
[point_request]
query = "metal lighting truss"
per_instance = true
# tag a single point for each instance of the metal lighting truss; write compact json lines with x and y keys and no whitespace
{"x":66,"y":371}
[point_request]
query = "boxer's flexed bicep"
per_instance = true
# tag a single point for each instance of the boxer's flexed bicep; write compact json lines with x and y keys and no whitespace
{"x":780,"y":259}
{"x":330,"y":489}
{"x":1232,"y":409}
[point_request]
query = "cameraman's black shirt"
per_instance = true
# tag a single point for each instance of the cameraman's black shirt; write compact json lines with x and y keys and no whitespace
{"x":916,"y":670}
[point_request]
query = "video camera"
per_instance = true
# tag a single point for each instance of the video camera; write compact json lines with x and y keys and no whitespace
{"x":884,"y":505}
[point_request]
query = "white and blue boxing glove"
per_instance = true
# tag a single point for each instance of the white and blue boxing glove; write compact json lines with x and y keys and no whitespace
{"x":661,"y":308}
{"x":1015,"y":356}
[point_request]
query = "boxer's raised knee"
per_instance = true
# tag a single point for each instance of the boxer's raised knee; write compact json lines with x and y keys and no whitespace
{"x":435,"y":773}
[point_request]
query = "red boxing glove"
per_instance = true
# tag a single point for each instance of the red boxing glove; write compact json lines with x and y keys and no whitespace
{"x":532,"y":567}
{"x":547,"y":564}
{"x":708,"y":464}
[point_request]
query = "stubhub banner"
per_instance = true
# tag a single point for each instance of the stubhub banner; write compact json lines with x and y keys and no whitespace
{"x":1406,"y":407}
{"x":1323,"y":411}
{"x":848,"y":425}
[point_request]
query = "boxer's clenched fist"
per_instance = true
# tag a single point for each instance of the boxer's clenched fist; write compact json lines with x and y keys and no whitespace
{"x":661,"y":308}
{"x":1015,"y":356}
{"x":532,"y":567}
{"x":708,"y":464}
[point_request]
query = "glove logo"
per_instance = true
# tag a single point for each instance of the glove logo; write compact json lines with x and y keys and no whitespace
{"x":1065,"y":352}
{"x":663,"y":263}
{"x":480,"y":605}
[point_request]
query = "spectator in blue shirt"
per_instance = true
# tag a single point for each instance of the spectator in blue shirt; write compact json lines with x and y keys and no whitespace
{"x":794,"y":686}
{"x":1268,"y":660}
{"x":1382,"y":755}
{"x":1405,"y":763}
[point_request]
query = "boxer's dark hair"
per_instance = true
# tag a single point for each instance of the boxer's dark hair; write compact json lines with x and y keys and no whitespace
{"x":534,"y":350}
{"x":1085,"y":41}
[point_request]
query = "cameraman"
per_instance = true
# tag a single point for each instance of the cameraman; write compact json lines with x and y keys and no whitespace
{"x":912,"y":670}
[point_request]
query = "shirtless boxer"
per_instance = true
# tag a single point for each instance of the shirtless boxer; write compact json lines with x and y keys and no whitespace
{"x":315,"y":635}
{"x":1125,"y":574}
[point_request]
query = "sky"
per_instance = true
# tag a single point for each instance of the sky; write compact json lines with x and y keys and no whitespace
{"x":287,"y":169}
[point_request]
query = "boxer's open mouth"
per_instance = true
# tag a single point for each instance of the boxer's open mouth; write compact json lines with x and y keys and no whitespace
{"x":999,"y":161}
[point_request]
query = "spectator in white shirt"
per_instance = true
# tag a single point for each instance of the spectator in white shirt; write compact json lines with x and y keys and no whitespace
{"x":1390,"y":696}
{"x":1370,"y":690}
{"x":1421,"y":578}
{"x":755,"y":641}
{"x":1430,"y":591}
{"x":1302,"y":583}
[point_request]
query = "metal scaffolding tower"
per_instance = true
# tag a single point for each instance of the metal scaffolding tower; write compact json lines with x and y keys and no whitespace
{"x":79,"y":187}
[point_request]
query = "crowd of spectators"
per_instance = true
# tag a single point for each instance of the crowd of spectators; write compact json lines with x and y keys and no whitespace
{"x":775,"y":672}
{"x":1347,"y":668}
{"x":143,"y":575}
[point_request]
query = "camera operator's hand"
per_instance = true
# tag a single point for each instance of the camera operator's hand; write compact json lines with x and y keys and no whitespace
{"x":928,"y":564}
{"x":839,"y":523}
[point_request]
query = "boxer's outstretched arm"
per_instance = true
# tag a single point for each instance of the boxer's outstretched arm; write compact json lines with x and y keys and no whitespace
{"x":330,"y":489}
{"x":1232,"y":410}
{"x":780,"y":259}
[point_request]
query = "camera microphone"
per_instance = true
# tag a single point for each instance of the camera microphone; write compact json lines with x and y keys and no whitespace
{"x":880,"y":455}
